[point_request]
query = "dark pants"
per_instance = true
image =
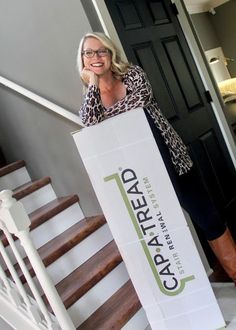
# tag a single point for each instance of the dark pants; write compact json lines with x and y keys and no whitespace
{"x":191,"y":192}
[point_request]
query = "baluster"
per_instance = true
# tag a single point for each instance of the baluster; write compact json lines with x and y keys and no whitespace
{"x":11,"y":292}
{"x":30,"y":282}
{"x":17,"y":222}
{"x":30,"y":308}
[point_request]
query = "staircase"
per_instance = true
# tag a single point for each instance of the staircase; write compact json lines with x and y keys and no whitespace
{"x":80,"y":255}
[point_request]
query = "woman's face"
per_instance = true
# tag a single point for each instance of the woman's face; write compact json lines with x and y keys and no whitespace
{"x":99,"y":62}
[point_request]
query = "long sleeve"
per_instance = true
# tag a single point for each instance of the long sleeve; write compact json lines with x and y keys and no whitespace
{"x":139,"y":94}
{"x":92,"y":111}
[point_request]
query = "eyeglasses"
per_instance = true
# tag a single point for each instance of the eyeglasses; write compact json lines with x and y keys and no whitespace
{"x":100,"y":52}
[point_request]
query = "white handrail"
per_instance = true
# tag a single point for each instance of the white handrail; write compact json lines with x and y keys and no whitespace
{"x":42,"y":101}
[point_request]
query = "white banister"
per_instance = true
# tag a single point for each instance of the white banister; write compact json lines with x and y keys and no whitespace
{"x":41,"y":100}
{"x":46,"y":283}
{"x":31,"y":310}
{"x":10,"y":291}
{"x":30,"y":282}
{"x":16,"y":221}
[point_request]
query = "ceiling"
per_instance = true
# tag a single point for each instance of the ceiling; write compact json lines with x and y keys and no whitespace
{"x":200,"y":6}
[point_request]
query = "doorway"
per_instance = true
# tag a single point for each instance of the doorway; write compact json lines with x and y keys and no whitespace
{"x":153,"y":38}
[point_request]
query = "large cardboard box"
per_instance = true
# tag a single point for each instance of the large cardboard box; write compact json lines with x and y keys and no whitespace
{"x":147,"y":223}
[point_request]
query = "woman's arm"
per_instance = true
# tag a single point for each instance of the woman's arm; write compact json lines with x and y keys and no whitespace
{"x":92,"y":111}
{"x":140,"y":87}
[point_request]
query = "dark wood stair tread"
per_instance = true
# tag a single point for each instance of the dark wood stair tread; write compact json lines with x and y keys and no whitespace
{"x":11,"y":167}
{"x":46,"y":212}
{"x":88,"y":274}
{"x":51,"y":209}
{"x":116,"y":311}
{"x":30,"y":187}
{"x":70,"y":238}
{"x":62,"y":243}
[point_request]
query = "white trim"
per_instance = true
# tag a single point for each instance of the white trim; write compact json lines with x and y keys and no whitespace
{"x":197,"y":8}
{"x":107,"y":24}
{"x":42,"y":101}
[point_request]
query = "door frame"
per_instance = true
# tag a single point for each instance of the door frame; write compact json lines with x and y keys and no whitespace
{"x":199,"y":58}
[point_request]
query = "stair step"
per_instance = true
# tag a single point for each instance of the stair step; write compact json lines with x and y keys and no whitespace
{"x":30,"y":187}
{"x":13,"y":175}
{"x":51,"y":209}
{"x":79,"y":254}
{"x":116,"y":311}
{"x":61,"y":244}
{"x":75,"y":285}
{"x":46,"y":212}
{"x":91,"y":272}
{"x":11,"y":167}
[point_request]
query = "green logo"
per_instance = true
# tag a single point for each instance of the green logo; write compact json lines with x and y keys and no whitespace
{"x":139,"y":213}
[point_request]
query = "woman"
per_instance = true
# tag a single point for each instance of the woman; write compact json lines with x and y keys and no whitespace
{"x":113,"y":87}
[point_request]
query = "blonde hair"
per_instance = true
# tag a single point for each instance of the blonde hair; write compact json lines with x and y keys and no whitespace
{"x":118,"y":66}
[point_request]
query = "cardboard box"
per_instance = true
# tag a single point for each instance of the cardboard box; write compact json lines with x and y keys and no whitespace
{"x":147,"y":223}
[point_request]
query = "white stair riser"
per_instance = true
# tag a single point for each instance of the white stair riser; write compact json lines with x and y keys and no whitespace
{"x":98,"y":295}
{"x":38,"y":198}
{"x":66,"y":264}
{"x":75,"y":257}
{"x":49,"y":229}
{"x":14,"y":179}
{"x":138,"y":322}
{"x":79,"y":254}
{"x":56,"y":225}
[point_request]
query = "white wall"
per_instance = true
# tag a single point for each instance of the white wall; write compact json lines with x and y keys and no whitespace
{"x":39,"y":41}
{"x":4,"y":325}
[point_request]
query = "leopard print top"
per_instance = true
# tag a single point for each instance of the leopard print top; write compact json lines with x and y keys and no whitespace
{"x":139,"y":94}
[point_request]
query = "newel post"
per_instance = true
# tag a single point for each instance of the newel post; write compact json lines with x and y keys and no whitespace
{"x":12,"y":213}
{"x":17,"y":222}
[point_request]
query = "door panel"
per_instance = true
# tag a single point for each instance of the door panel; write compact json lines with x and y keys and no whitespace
{"x":152,"y":38}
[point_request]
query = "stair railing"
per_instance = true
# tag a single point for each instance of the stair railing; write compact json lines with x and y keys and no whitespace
{"x":14,"y":220}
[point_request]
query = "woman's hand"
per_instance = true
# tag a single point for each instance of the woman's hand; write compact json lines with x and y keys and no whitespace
{"x":89,"y":77}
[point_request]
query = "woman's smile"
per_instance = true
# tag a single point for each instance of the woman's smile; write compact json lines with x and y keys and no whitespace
{"x":97,"y":64}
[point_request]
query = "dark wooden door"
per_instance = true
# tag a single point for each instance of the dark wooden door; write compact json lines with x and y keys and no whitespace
{"x":152,"y":38}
